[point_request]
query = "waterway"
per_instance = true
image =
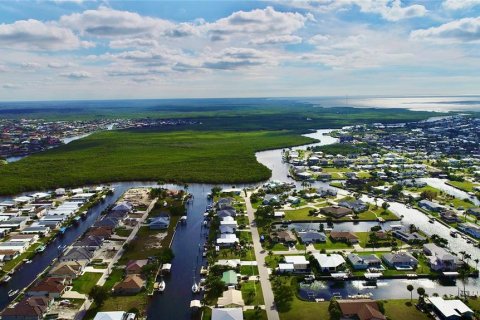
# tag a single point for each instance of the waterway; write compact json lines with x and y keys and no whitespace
{"x":448,"y":189}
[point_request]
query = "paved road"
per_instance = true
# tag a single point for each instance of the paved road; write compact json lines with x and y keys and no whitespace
{"x":272,"y":312}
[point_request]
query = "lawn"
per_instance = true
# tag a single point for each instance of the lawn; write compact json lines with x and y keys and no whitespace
{"x":466,"y":186}
{"x":225,"y":253}
{"x":401,"y":309}
{"x":255,"y":315}
{"x":115,"y":276}
{"x":142,"y":155}
{"x":245,"y":236}
{"x":123,"y":232}
{"x":115,"y":303}
{"x":252,"y":293}
{"x":329,"y":245}
{"x":305,"y":310}
{"x":86,"y":282}
{"x":249,"y":270}
{"x":300,"y":214}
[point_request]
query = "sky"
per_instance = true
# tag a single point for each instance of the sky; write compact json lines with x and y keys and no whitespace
{"x":74,"y":49}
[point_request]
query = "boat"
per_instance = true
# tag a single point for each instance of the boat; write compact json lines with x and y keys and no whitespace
{"x":195,"y":288}
{"x":453,"y":234}
{"x":40,"y":249}
{"x":6,"y":279}
{"x":161,"y":286}
{"x":77,"y":219}
{"x":62,"y":230}
{"x":183,"y":219}
{"x":11,"y":293}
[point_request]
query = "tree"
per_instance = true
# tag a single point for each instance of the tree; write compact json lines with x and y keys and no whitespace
{"x":421,"y":293}
{"x":410,"y":288}
{"x":98,"y":294}
{"x":385,"y":206}
{"x":334,"y":310}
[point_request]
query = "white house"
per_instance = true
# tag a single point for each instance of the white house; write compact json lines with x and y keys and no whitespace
{"x":450,"y":309}
{"x":299,"y":262}
{"x":329,"y":262}
{"x":227,"y":240}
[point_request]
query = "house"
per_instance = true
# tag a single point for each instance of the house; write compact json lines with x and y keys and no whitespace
{"x":344,"y":236}
{"x":226,"y":213}
{"x":101,"y":232}
{"x":27,"y":238}
{"x":449,"y":216}
{"x":67,"y":270}
{"x":450,"y":309}
{"x":300,"y":263}
{"x":226,"y":314}
{"x":132,"y":284}
{"x":231,"y":298}
{"x":135,"y":266}
{"x":285,"y":236}
{"x":159,"y":223}
{"x":329,"y":262}
{"x":364,"y":262}
{"x":361,"y":309}
{"x":229,"y":222}
{"x":227,"y":240}
{"x":14,"y":223}
{"x":312,"y":236}
{"x":91,"y":243}
{"x":474,"y":211}
{"x":440,"y":259}
{"x":409,"y":237}
{"x":20,"y":247}
{"x":270,"y":199}
{"x":6,"y":255}
{"x":226,"y":230}
{"x":29,"y":308}
{"x":336,"y":211}
{"x":470,"y":228}
{"x":50,"y":287}
{"x":76,"y":254}
{"x":429,"y":205}
{"x":124,"y":206}
{"x":230,"y":278}
{"x":400,"y":260}
{"x":355,"y":205}
{"x":224,"y":202}
{"x":36,"y":229}
{"x":114,"y":315}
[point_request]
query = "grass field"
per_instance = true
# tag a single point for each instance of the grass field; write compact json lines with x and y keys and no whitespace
{"x":252,"y":293}
{"x":184,"y":156}
{"x":466,"y":186}
{"x":85,"y":282}
{"x":401,"y":309}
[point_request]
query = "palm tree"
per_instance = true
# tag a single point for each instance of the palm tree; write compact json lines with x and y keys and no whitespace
{"x":421,"y":293}
{"x":410,"y":288}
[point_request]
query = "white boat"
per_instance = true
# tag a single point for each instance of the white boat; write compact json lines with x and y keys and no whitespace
{"x":11,"y":293}
{"x":6,"y":279}
{"x":183,"y":219}
{"x":195,"y":288}
{"x":161,"y":286}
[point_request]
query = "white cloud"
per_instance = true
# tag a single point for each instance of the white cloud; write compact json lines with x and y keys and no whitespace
{"x":236,"y":58}
{"x":60,"y":65}
{"x":460,"y":4}
{"x":264,"y":22}
{"x":37,"y":35}
{"x":107,"y":22}
{"x":30,"y":65}
{"x":462,"y":30}
{"x":391,"y":10}
{"x":271,"y":40}
{"x":133,"y":43}
{"x":318,"y":39}
{"x":76,"y":75}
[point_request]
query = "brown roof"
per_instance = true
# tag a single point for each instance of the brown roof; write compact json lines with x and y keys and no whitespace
{"x":100,"y":232}
{"x":136,"y":265}
{"x":70,"y":268}
{"x":28,"y":307}
{"x":336,"y":211}
{"x":50,"y":285}
{"x":131,"y":281}
{"x":286,"y":235}
{"x":343,"y":235}
{"x":364,"y":309}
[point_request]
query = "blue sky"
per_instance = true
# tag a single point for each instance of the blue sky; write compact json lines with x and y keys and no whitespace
{"x":183,"y":49}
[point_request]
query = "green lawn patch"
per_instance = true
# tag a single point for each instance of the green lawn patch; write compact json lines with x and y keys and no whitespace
{"x":466,"y":186}
{"x":300,"y":214}
{"x":255,"y":315}
{"x":402,"y":309}
{"x":252,"y":293}
{"x":329,"y":245}
{"x":86,"y":282}
{"x":249,"y":270}
{"x":123,"y":232}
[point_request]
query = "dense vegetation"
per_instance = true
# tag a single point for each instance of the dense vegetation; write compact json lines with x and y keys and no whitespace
{"x":183,"y":156}
{"x":346,"y":149}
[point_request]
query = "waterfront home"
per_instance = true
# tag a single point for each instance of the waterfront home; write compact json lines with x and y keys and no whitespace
{"x":101,"y":232}
{"x":344,"y":236}
{"x":226,"y":229}
{"x":400,"y":260}
{"x":226,"y":314}
{"x":336,"y":212}
{"x":409,"y":237}
{"x":49,"y":287}
{"x":159,"y":223}
{"x":231,"y":298}
{"x":135,"y":266}
{"x":60,"y":191}
{"x":91,"y":243}
{"x":124,"y":206}
{"x":429,"y":205}
{"x":29,"y":308}
{"x":115,"y":315}
{"x":67,"y":270}
{"x":450,"y":309}
{"x":284,"y":236}
{"x":227,"y":240}
{"x":449,"y":216}
{"x":22,"y":200}
{"x":108,"y":222}
{"x":229,"y":222}
{"x":470,"y":228}
{"x":6,"y":255}
{"x":299,"y":263}
{"x":474,"y":211}
{"x":440,"y":259}
{"x":132,"y":284}
{"x":329,"y":262}
{"x":230,"y":278}
{"x":312,"y":236}
{"x":36,"y":229}
{"x":355,"y":205}
{"x":230,"y":212}
{"x":76,"y":254}
{"x":359,"y":262}
{"x":224,"y":202}
{"x":362,"y":309}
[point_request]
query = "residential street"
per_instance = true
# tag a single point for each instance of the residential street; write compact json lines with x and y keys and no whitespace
{"x":260,"y":255}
